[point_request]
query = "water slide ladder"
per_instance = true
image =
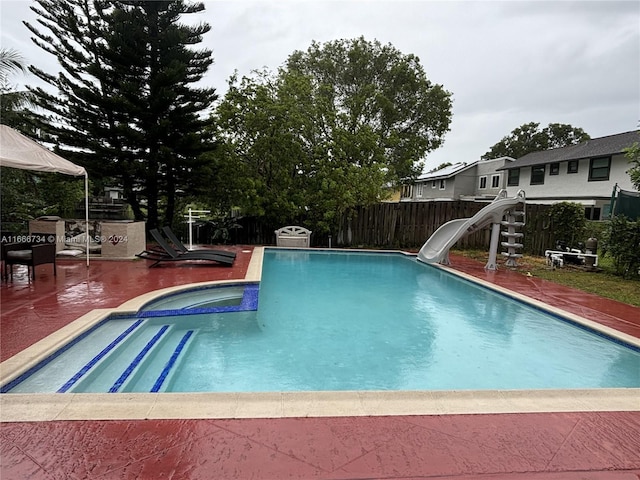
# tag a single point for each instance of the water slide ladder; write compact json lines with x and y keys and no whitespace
{"x":513,"y":219}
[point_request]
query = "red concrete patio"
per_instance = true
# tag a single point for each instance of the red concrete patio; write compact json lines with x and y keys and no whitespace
{"x":541,"y":446}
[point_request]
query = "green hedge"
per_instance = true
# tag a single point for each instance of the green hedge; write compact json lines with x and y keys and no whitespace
{"x":621,"y":242}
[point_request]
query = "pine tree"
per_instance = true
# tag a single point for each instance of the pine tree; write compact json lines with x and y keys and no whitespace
{"x":126,"y":107}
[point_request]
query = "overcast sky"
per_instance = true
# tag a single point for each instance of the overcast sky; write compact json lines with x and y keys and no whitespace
{"x":506,"y":63}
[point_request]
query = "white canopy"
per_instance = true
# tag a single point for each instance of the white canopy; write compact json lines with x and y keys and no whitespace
{"x":19,"y":151}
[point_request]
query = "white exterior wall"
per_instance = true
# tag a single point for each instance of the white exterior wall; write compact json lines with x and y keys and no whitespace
{"x":619,"y":166}
{"x":572,"y":186}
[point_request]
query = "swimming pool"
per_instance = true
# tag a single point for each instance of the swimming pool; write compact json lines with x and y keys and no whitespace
{"x":410,"y":327}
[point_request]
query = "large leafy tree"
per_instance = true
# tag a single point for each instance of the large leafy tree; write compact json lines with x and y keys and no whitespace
{"x":126,"y":106}
{"x":530,"y":137}
{"x":336,"y":125}
{"x":262,"y":150}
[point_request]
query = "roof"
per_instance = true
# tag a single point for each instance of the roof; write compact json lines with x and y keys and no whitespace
{"x":447,"y":172}
{"x":595,"y":147}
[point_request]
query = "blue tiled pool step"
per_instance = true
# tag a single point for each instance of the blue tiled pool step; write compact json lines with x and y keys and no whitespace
{"x":168,"y":368}
{"x":141,"y":363}
{"x":138,"y":359}
{"x":153,"y":374}
{"x":236,"y":298}
{"x":63,"y":369}
{"x":140,"y":353}
{"x":80,"y":374}
{"x":133,"y":355}
{"x":104,"y":374}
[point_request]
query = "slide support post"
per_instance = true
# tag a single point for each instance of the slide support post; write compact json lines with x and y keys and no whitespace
{"x":492,"y":264}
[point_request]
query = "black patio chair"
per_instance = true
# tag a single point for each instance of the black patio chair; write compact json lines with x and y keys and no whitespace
{"x":28,"y":254}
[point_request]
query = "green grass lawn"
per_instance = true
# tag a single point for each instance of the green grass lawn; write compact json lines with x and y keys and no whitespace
{"x":602,"y":282}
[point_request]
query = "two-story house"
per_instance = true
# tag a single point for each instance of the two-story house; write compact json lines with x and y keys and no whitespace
{"x":476,"y":181}
{"x":585,"y":173}
{"x":448,"y":183}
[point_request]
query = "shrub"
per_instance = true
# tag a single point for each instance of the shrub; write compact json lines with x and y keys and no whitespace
{"x":567,"y":222}
{"x":622,"y":244}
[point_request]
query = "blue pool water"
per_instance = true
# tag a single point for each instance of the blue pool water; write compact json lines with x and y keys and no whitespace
{"x":339,"y":321}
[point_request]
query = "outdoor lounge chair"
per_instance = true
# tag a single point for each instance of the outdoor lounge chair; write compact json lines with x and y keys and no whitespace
{"x":181,"y":247}
{"x":168,"y":254}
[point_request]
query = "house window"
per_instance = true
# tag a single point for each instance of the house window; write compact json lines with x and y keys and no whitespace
{"x":434,"y":184}
{"x":419,"y":189}
{"x":483,"y":182}
{"x":514,"y":177}
{"x":599,"y":169}
{"x":537,"y":175}
{"x":495,"y":181}
{"x":592,"y":213}
{"x":443,"y":184}
{"x":554,"y":169}
{"x":596,"y":214}
{"x":572,"y":166}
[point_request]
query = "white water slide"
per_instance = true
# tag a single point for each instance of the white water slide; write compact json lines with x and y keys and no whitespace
{"x":436,"y":249}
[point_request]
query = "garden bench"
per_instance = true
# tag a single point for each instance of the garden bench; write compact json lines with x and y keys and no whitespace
{"x":293,"y":236}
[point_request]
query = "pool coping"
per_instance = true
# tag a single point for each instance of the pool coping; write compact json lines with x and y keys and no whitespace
{"x":138,"y":406}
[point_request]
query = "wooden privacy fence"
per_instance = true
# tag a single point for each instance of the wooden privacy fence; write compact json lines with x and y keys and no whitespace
{"x":405,"y":225}
{"x":409,"y":225}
